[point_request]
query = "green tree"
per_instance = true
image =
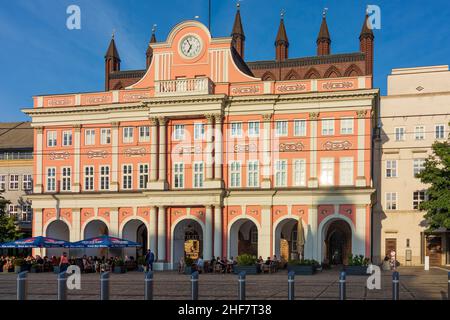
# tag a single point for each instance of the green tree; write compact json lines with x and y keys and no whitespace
{"x":437,"y":175}
{"x":8,"y":228}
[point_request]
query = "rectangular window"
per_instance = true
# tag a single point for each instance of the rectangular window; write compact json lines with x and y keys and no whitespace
{"x":346,"y":172}
{"x":253,"y":174}
{"x":327,"y":172}
{"x":391,"y":201}
{"x":300,"y":128}
{"x":418,"y":166}
{"x":89,"y":178}
{"x":51,"y":138}
{"x":439,"y":131}
{"x":178,"y":133}
{"x":26,"y":213}
{"x":281,"y":128}
{"x":198,"y":174}
{"x":3,"y":182}
{"x":418,"y":198}
{"x":13,"y":182}
{"x":105,"y":136}
{"x":51,"y":179}
{"x":400,"y":134}
{"x":127,"y":177}
{"x":347,"y":126}
{"x":178,"y":175}
{"x":419,"y":132}
{"x":300,"y":172}
{"x":236,"y":129}
{"x":27,"y":183}
{"x":327,"y":127}
{"x":391,"y":169}
{"x":89,"y":137}
{"x":144,"y":134}
{"x":199,"y":131}
{"x":66,"y":178}
{"x":67,"y":138}
{"x":253,"y":128}
{"x":143,"y":176}
{"x":13,"y":210}
{"x":235,"y":174}
{"x":128,"y":133}
{"x":281,"y":173}
{"x":104,"y":178}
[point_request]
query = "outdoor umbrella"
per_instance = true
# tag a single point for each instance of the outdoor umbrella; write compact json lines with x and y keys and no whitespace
{"x":104,"y":242}
{"x":300,"y":238}
{"x":36,"y":242}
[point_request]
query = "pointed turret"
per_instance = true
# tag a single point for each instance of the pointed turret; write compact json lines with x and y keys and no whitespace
{"x":149,"y":53}
{"x":237,"y":34}
{"x":281,"y":42}
{"x":366,"y":44}
{"x":324,"y":40}
{"x":112,"y":61}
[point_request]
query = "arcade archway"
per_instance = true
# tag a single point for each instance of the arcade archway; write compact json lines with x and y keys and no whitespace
{"x":135,"y":230}
{"x":57,"y":229}
{"x":187,"y":240}
{"x":96,"y":228}
{"x":338,"y":242}
{"x":243,"y":238}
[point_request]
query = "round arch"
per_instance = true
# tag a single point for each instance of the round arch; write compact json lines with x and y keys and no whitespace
{"x":83,"y":228}
{"x":58,"y":229}
{"x":288,"y":221}
{"x":233,"y":234}
{"x":135,"y":229}
{"x":178,"y":234}
{"x":94,"y":228}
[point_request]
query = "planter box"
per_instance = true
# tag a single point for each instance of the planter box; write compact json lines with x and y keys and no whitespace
{"x":356,"y":270}
{"x":302,"y":270}
{"x":120,"y":269}
{"x":248,"y":269}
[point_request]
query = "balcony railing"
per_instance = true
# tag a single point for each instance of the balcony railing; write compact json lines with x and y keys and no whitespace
{"x":183,"y":87}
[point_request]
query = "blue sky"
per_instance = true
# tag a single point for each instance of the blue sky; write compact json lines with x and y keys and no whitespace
{"x":39,"y":55}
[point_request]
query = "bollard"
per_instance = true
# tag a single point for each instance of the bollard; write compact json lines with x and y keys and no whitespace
{"x":62,"y":286}
{"x":22,"y":287}
{"x":395,"y":286}
{"x":342,"y":286}
{"x":148,"y":286}
{"x":104,"y":286}
{"x":194,"y":286}
{"x":242,"y":285}
{"x":291,"y":285}
{"x":448,"y":290}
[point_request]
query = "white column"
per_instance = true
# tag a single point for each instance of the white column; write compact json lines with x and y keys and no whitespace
{"x":359,"y":238}
{"x":266,"y":181}
{"x":313,"y":182}
{"x":153,"y":149}
{"x":209,"y":147}
{"x":265,"y":232}
{"x":37,"y":227}
{"x":311,"y":235}
{"x":38,"y":185}
{"x":75,"y":231}
{"x":76,"y":159}
{"x":115,"y":157}
{"x":218,"y":148}
{"x":360,"y":179}
{"x":152,"y":230}
{"x":208,"y":240}
{"x":162,"y":151}
{"x":113,"y":227}
{"x":218,"y":231}
{"x":161,"y":253}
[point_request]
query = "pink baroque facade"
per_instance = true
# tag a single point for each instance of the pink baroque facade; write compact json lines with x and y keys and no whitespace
{"x":201,"y":149}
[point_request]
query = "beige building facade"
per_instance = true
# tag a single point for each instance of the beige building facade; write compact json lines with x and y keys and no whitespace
{"x":414,"y":114}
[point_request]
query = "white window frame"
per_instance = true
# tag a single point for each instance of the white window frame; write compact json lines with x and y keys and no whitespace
{"x":392,"y":169}
{"x":346,"y":174}
{"x":436,"y":136}
{"x":281,"y":128}
{"x":89,"y":137}
{"x":198,"y":174}
{"x":89,"y":177}
{"x":390,"y":202}
{"x":281,"y":173}
{"x":104,"y":181}
{"x":418,"y":165}
{"x":347,"y":125}
{"x":327,"y":126}
{"x":3,"y":182}
{"x":128,"y":134}
{"x":419,"y":135}
{"x":400,"y":134}
{"x":144,"y":133}
{"x":178,"y":175}
{"x":178,"y":132}
{"x":199,"y":131}
{"x":66,"y":179}
{"x":67,"y":138}
{"x":51,"y":179}
{"x":52,"y":139}
{"x":327,"y":167}
{"x":14,"y":183}
{"x":299,"y":172}
{"x":253,"y":173}
{"x":127,"y":176}
{"x":300,"y":128}
{"x":236,"y":129}
{"x":235,"y":174}
{"x":143,"y":175}
{"x":420,"y":199}
{"x":253,"y":128}
{"x":13,"y":210}
{"x":105,"y":136}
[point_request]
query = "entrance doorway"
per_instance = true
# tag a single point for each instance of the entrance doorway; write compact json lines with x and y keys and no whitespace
{"x":434,"y":250}
{"x":187,"y":240}
{"x":243,"y":238}
{"x":338,"y":242}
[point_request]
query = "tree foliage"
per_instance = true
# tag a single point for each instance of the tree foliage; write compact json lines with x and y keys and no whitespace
{"x":437,"y":175}
{"x":8,"y":227}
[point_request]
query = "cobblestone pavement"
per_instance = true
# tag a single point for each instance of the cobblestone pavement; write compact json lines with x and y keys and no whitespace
{"x":415,"y":283}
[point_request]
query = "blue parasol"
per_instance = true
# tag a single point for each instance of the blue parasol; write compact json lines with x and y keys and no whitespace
{"x":36,"y":242}
{"x":104,"y":242}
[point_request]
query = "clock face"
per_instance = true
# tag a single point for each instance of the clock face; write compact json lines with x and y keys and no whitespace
{"x":190,"y":46}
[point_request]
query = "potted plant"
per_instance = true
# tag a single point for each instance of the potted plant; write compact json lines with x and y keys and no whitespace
{"x":247,"y":263}
{"x":119,"y":266}
{"x":141,"y":264}
{"x":357,"y":265}
{"x":303,"y":267}
{"x":19,"y":265}
{"x":189,"y":263}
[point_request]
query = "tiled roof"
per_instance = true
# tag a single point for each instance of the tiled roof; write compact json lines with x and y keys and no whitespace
{"x":16,"y":135}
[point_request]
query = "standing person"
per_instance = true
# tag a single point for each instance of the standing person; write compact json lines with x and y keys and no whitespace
{"x":393,"y":260}
{"x":64,"y":262}
{"x":149,"y":259}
